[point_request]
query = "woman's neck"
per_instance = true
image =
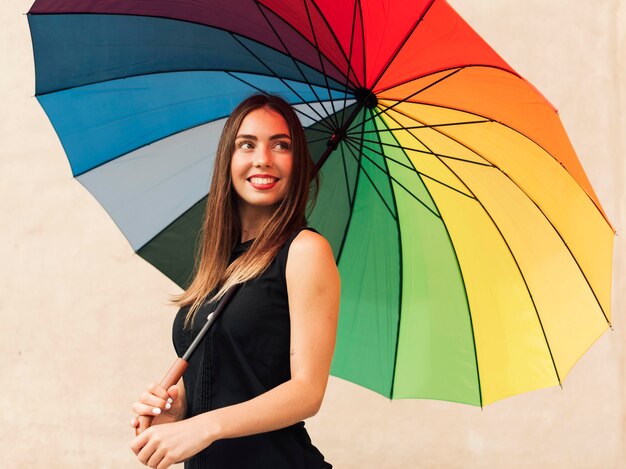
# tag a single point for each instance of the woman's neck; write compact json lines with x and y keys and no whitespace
{"x":248,"y":234}
{"x":252,"y":219}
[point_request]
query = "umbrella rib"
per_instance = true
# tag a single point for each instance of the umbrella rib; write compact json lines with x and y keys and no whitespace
{"x":260,"y":90}
{"x":427,"y":126}
{"x":401,"y":45}
{"x":412,"y":168}
{"x":421,"y":90}
{"x":315,"y":140}
{"x":324,"y":131}
{"x":346,"y":89}
{"x":329,"y":130}
{"x":556,"y":371}
{"x":486,"y":119}
{"x":504,"y":124}
{"x":353,"y":145}
{"x":268,"y":8}
{"x":459,"y":67}
{"x":345,"y":173}
{"x":282,"y":79}
{"x":319,"y":55}
{"x":374,"y":185}
{"x":380,"y":153}
{"x":356,"y":187}
{"x":326,"y":126}
{"x":339,"y":46}
{"x":405,"y":148}
{"x":269,"y":23}
{"x":191,"y":70}
{"x":363,"y":44}
{"x":521,"y":189}
{"x":400,"y":273}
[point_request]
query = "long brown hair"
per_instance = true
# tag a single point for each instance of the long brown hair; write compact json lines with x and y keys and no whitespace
{"x":221,"y":229}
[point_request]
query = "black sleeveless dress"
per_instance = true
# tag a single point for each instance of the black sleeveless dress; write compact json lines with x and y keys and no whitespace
{"x":245,"y":354}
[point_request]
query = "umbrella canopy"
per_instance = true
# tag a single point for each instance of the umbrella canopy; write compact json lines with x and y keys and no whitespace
{"x":474,"y":254}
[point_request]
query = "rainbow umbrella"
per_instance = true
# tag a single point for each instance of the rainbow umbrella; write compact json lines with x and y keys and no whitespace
{"x":474,"y":254}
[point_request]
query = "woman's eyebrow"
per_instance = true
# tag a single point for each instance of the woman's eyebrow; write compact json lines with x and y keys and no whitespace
{"x":253,"y":137}
{"x":246,"y":136}
{"x":277,"y":136}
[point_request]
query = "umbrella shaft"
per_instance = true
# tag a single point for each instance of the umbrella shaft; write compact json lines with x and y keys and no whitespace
{"x":210,"y":319}
{"x":339,"y":134}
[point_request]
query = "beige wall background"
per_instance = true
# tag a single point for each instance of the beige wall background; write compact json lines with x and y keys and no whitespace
{"x":85,"y":323}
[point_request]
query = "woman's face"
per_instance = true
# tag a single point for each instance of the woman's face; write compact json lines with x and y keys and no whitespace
{"x":263,"y":159}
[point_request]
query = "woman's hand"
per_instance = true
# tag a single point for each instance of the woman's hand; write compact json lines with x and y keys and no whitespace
{"x":161,"y":446}
{"x":165,"y":406}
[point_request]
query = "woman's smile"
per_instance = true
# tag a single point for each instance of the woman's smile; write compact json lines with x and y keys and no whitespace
{"x":263,"y":181}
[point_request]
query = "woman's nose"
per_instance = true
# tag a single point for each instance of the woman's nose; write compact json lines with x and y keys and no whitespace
{"x":262,"y":156}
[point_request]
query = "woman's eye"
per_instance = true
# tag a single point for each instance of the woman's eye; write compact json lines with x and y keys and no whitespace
{"x":282,"y":146}
{"x":246,"y":145}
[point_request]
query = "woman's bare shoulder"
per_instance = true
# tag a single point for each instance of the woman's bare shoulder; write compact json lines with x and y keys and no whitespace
{"x":311,"y":270}
{"x":309,"y":244}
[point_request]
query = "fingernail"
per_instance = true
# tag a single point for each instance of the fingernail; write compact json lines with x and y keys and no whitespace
{"x":132,"y":422}
{"x":168,"y":406}
{"x":169,"y":400}
{"x":156,"y":411}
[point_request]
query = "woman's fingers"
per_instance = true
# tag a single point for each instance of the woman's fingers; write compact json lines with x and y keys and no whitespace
{"x":173,"y":393}
{"x":158,"y":391}
{"x":155,"y":458}
{"x":144,"y":409}
{"x":151,"y":399}
{"x":157,"y":402}
{"x":151,"y":451}
{"x":163,"y":399}
{"x":139,"y":442}
{"x":146,"y":452}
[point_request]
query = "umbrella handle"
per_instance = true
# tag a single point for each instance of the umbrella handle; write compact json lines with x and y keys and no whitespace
{"x":180,"y":365}
{"x":171,"y":378}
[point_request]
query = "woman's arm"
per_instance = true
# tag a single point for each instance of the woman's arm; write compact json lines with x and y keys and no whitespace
{"x":313,"y":288}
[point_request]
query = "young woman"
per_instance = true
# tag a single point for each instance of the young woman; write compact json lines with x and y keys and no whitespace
{"x":264,"y":365}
